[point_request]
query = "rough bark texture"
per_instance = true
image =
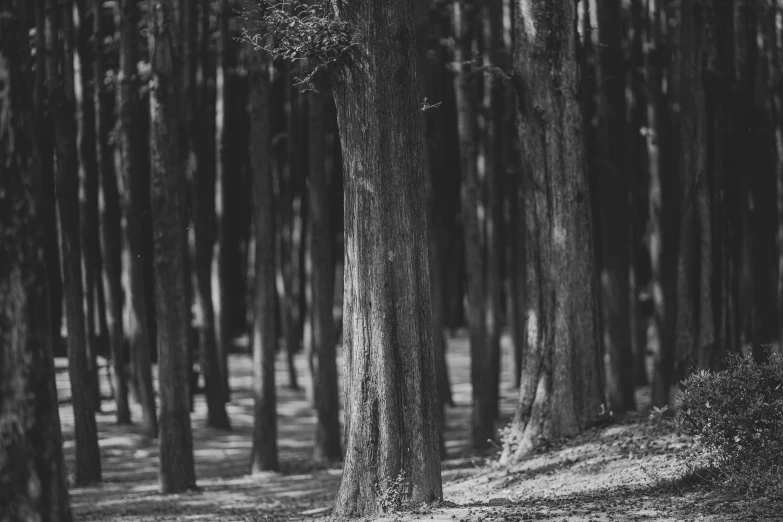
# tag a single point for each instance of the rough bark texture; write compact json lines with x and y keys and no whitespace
{"x":327,"y":402}
{"x":111,"y":230}
{"x":32,"y":471}
{"x":264,"y":456}
{"x":561,"y":389}
{"x":60,"y":85}
{"x":129,"y":141}
{"x":614,"y":186}
{"x":391,"y":403}
{"x":176,"y":443}
{"x":202,"y":162}
{"x":481,"y":330}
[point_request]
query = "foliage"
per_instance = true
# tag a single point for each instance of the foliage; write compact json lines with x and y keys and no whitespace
{"x":736,"y":419}
{"x":391,"y":500}
{"x":297,"y":31}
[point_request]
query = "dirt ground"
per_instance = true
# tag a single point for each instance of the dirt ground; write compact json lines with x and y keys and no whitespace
{"x":627,"y":470}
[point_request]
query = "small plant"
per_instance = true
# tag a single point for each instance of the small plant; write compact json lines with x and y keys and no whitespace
{"x":391,"y":500}
{"x":736,"y":419}
{"x":298,"y":32}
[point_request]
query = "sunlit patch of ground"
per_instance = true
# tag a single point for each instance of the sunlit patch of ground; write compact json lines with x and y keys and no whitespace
{"x":620,"y":472}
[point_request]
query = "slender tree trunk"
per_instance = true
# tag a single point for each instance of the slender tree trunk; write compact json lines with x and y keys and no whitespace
{"x":663,"y":237}
{"x":481,"y":336}
{"x":264,"y":456}
{"x":202,"y":153}
{"x":176,"y":442}
{"x":775,"y":88}
{"x":391,"y":403}
{"x":327,"y":404}
{"x":614,"y":187}
{"x":110,"y":227}
{"x":88,"y":171}
{"x":561,"y":385}
{"x":30,"y":436}
{"x":131,"y":153}
{"x":60,"y":85}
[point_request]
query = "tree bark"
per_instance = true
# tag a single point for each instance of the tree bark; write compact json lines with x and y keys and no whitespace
{"x":60,"y":85}
{"x":264,"y":338}
{"x":615,"y":210}
{"x":327,"y":403}
{"x":129,"y":141}
{"x":391,"y":403}
{"x":561,"y":388}
{"x":176,"y":471}
{"x":481,"y":331}
{"x":32,"y":470}
{"x":110,"y":226}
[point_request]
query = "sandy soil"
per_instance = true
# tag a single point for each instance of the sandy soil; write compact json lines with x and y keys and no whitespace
{"x":625,"y":471}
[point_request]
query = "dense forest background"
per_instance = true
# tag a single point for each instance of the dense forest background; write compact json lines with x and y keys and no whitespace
{"x":183,"y":180}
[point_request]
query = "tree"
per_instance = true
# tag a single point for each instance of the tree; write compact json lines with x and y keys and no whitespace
{"x":176,"y":441}
{"x":129,"y":142}
{"x":201,"y":160}
{"x":614,"y":187}
{"x":62,"y":103}
{"x":560,"y":392}
{"x":110,"y":225}
{"x":30,"y":437}
{"x":327,"y":403}
{"x":391,"y":402}
{"x":481,"y":321}
{"x":264,"y":338}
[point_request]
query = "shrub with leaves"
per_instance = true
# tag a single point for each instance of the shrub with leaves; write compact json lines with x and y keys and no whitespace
{"x":298,"y":31}
{"x":736,"y":418}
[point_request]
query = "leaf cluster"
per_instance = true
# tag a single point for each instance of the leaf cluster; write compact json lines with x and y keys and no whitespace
{"x":298,"y":31}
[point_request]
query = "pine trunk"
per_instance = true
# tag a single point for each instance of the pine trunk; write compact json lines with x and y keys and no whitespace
{"x":62,"y":100}
{"x":561,"y":389}
{"x":30,"y":436}
{"x":264,"y":338}
{"x":176,"y":472}
{"x":391,"y":400}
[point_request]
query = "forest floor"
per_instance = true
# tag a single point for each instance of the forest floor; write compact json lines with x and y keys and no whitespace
{"x":628,"y":470}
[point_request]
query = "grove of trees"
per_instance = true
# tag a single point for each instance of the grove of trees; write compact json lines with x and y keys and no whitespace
{"x":185,"y":184}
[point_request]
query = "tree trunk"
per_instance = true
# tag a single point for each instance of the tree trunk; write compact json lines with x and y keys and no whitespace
{"x":327,"y":404}
{"x":85,"y":76}
{"x":131,"y":153}
{"x":561,"y":389}
{"x":203,"y":153}
{"x":176,"y":442}
{"x":31,"y":440}
{"x":775,"y":89}
{"x":264,"y":338}
{"x":391,"y":402}
{"x":60,"y":85}
{"x":481,"y":336}
{"x":111,"y":230}
{"x":663,"y":237}
{"x":614,"y":187}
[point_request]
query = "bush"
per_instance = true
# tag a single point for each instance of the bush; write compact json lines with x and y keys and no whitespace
{"x":736,"y":419}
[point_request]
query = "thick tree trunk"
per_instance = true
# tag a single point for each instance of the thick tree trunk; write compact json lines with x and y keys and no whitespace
{"x":60,"y":85}
{"x":201,"y":159}
{"x":176,"y":442}
{"x":111,"y":230}
{"x":614,"y":187}
{"x":561,"y":389}
{"x":31,"y":440}
{"x":129,"y":141}
{"x":391,"y":400}
{"x":264,"y":338}
{"x":481,"y":330}
{"x":327,"y":403}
